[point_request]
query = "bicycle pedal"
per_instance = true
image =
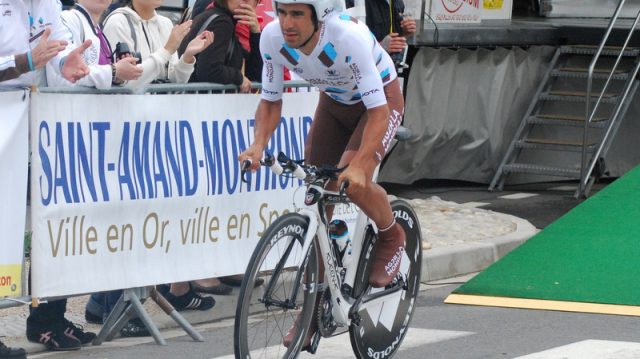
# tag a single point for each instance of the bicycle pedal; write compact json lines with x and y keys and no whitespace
{"x":315,"y":341}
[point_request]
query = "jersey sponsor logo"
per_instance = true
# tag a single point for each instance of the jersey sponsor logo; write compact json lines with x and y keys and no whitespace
{"x":357,"y":75}
{"x":332,"y":73}
{"x":328,"y":82}
{"x":370,"y":92}
{"x":269,"y":71}
{"x":297,"y":70}
{"x":269,"y":92}
{"x":392,"y":127}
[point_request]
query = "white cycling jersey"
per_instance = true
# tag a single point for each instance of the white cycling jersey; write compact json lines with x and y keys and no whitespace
{"x":347,"y":64}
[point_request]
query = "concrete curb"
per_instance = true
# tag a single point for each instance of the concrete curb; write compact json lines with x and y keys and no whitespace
{"x":447,"y":262}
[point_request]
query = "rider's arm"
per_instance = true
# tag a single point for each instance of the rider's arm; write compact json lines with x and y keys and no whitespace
{"x":270,"y":106}
{"x":367,"y":156}
{"x":267,"y":119}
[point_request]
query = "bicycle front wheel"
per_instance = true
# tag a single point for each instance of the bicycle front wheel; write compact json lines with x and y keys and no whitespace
{"x":264,"y":315}
{"x":383,"y":328}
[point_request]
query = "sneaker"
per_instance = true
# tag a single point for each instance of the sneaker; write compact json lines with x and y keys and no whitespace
{"x":77,"y":331}
{"x":11,"y":353}
{"x":313,"y":327}
{"x":135,"y":328}
{"x":93,"y":318}
{"x":388,"y":255}
{"x":53,"y":337}
{"x":190,"y":301}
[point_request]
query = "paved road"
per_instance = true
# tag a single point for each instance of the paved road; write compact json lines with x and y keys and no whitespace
{"x":438,"y":331}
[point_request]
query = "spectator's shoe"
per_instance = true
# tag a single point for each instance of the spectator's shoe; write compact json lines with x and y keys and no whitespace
{"x":77,"y":331}
{"x":135,"y":328}
{"x":218,"y":289}
{"x":54,"y":337}
{"x":11,"y":353}
{"x":93,"y":318}
{"x":190,"y":301}
{"x":388,"y":255}
{"x":236,"y":280}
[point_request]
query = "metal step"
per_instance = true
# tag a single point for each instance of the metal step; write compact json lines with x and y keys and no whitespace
{"x":576,"y":96}
{"x":591,"y":50}
{"x":553,"y":145}
{"x":565,"y":120}
{"x":582,"y":73}
{"x":541,"y":170}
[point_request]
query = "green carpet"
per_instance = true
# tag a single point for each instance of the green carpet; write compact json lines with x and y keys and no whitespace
{"x":591,"y":254}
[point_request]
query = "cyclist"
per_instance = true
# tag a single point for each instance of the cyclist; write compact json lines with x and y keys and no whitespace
{"x":359,"y":110}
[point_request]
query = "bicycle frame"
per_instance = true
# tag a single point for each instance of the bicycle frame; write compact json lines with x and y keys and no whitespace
{"x":342,"y":305}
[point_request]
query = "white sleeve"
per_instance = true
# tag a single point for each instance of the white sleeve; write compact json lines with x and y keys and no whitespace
{"x":116,"y":29}
{"x":363,"y":67}
{"x":99,"y":75}
{"x":7,"y":62}
{"x":272,"y":72}
{"x":178,"y":71}
{"x":58,"y":32}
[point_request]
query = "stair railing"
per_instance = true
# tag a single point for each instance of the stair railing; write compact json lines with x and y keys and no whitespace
{"x":585,"y":172}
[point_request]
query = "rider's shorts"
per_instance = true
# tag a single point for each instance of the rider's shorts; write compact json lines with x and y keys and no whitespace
{"x":337,"y":127}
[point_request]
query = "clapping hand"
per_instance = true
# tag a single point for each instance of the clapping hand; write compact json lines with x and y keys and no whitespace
{"x":177,"y":34}
{"x":46,"y":49}
{"x":197,"y":45}
{"x":74,"y":67}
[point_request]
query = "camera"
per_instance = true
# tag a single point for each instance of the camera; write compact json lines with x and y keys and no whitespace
{"x":122,"y":51}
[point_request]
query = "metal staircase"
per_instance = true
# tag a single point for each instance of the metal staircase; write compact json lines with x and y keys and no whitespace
{"x":558,"y":136}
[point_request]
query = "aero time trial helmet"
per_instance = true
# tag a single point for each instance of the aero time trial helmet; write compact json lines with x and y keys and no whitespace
{"x":322,"y":7}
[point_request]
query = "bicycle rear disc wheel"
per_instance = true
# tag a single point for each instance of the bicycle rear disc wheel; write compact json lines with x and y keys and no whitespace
{"x":380,"y":334}
{"x":265,"y":314}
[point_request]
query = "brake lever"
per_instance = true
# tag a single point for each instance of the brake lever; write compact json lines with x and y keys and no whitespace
{"x":243,"y":170}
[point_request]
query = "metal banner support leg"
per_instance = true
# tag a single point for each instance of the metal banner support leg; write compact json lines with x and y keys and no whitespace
{"x":130,"y":304}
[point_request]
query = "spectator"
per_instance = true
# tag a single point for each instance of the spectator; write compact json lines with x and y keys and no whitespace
{"x":223,"y":62}
{"x":83,"y":23}
{"x":389,"y":27}
{"x":139,"y":26}
{"x":156,"y":39}
{"x":45,"y":47}
{"x":14,"y":66}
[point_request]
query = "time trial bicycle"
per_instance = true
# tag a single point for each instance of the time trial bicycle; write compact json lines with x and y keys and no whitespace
{"x":287,"y":256}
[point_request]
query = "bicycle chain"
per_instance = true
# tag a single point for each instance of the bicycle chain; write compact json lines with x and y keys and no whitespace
{"x":326,"y":324}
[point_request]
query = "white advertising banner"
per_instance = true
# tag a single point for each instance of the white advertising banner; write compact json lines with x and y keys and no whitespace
{"x":14,"y":160}
{"x":456,"y":11}
{"x":134,"y":190}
